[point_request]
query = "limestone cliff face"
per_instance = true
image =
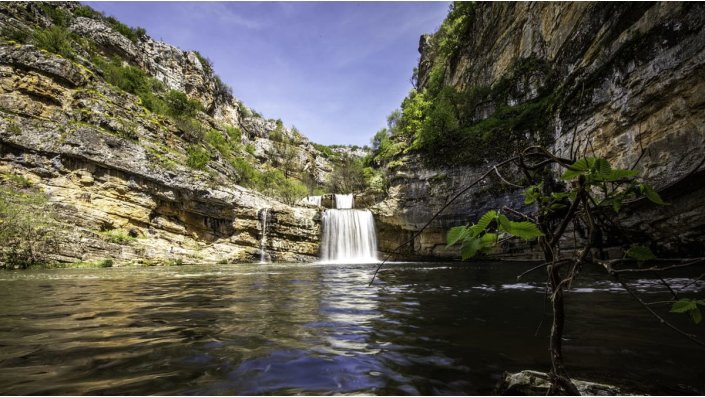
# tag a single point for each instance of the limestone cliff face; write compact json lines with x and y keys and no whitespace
{"x":109,"y":164}
{"x":626,"y":77}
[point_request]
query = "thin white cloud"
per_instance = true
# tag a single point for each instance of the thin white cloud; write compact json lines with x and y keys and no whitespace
{"x":221,"y":13}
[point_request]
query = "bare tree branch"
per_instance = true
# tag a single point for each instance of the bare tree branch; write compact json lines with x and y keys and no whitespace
{"x":649,"y":309}
{"x":411,"y":240}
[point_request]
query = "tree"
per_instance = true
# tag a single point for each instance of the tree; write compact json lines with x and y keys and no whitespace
{"x":348,"y":175}
{"x":287,"y":155}
{"x":28,"y":227}
{"x":586,"y":195}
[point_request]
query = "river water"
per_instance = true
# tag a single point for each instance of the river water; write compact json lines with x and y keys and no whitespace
{"x":319,"y":329}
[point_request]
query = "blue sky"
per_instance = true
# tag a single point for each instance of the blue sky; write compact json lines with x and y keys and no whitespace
{"x":334,"y":70}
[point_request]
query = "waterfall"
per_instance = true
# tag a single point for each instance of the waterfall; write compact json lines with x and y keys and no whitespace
{"x":315,"y":200}
{"x":263,"y":240}
{"x":348,"y":235}
{"x":343,"y":201}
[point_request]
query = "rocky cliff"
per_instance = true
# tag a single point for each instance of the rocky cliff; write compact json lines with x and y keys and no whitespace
{"x":93,"y":113}
{"x":617,"y":78}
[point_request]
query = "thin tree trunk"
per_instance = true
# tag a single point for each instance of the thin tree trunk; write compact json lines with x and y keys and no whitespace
{"x":559,"y":374}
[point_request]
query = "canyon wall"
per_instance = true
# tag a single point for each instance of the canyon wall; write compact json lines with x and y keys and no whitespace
{"x":111,"y":167}
{"x":616,"y":79}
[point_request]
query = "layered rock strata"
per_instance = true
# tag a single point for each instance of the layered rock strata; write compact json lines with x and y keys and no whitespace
{"x":110,"y":166}
{"x":627,"y":79}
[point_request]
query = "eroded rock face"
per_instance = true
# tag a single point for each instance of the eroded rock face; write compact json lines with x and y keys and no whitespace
{"x":109,"y":165}
{"x":629,"y":77}
{"x":173,"y":220}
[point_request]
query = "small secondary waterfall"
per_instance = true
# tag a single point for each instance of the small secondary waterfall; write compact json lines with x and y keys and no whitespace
{"x":263,"y":240}
{"x":316,"y":200}
{"x":348,"y":235}
{"x":343,"y":201}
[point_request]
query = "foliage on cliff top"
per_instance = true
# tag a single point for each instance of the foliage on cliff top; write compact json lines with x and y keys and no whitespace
{"x":470,"y":125}
{"x":200,"y":142}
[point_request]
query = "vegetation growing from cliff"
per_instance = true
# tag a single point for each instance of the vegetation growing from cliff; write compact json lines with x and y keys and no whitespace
{"x":28,"y":225}
{"x":201,"y":143}
{"x":458,"y":126}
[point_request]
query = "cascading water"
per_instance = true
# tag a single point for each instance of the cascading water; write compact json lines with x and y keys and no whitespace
{"x":348,"y":234}
{"x":315,"y":200}
{"x":263,"y":240}
{"x":344,"y":201}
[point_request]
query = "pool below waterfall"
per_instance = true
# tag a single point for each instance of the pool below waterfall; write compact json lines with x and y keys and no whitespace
{"x":422,"y":328}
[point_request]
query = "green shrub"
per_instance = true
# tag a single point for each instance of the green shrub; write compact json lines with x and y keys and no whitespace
{"x":152,"y":102}
{"x":222,"y":90}
{"x":55,"y":39}
{"x":248,"y":175}
{"x":191,"y":128}
{"x":375,"y":180}
{"x":198,"y":157}
{"x":133,"y":80}
{"x":129,"y":133}
{"x":58,"y":15}
{"x":274,"y":183}
{"x":18,"y":35}
{"x":105,"y":263}
{"x":85,"y":11}
{"x":205,"y":62}
{"x":18,"y":180}
{"x":179,"y":105}
{"x":234,"y":133}
{"x":28,"y":228}
{"x":250,"y":148}
{"x":123,"y":29}
{"x":216,"y":139}
{"x":326,"y":151}
{"x":245,"y":112}
{"x":117,"y":236}
{"x":454,"y":28}
{"x":442,"y":121}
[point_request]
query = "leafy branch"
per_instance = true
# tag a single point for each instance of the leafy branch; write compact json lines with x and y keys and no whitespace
{"x":589,"y":190}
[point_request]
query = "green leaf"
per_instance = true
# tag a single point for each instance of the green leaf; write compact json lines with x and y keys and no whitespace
{"x":504,"y":223}
{"x":456,"y":234}
{"x":578,"y":168}
{"x":682,"y":306}
{"x":485,"y":220}
{"x":532,"y":193}
{"x":560,"y":195}
{"x":524,"y":230}
{"x":696,"y":316}
{"x":700,"y":302}
{"x":651,"y":194}
{"x":602,"y":168}
{"x":470,"y":248}
{"x":557,"y":206}
{"x":618,"y":174}
{"x":640,"y":253}
{"x":488,"y":239}
{"x":570,"y":174}
{"x":617,"y":204}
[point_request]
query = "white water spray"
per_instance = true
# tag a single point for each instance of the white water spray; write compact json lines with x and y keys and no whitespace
{"x":315,"y":200}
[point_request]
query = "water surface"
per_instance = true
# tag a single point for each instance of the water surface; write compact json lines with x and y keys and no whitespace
{"x":318,"y":329}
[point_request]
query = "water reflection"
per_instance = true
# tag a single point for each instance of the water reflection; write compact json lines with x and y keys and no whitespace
{"x":318,"y":329}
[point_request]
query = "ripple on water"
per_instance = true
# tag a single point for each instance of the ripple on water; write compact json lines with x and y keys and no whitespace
{"x":312,"y":329}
